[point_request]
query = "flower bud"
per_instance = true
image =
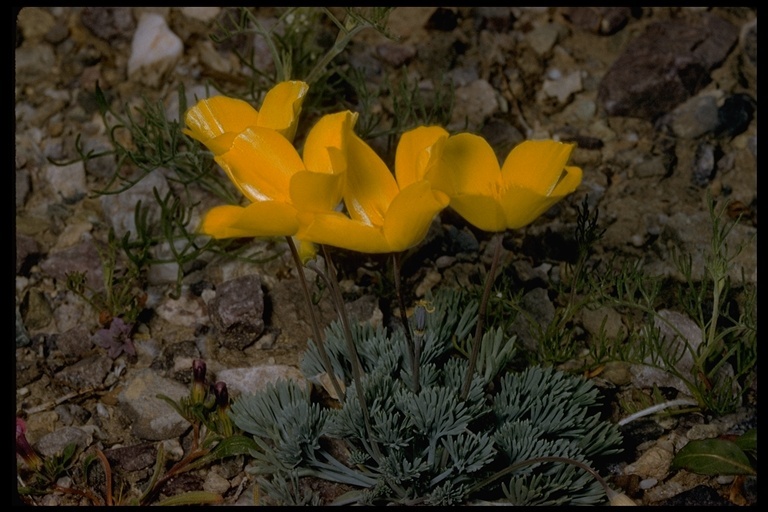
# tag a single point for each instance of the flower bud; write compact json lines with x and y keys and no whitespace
{"x":24,"y":449}
{"x":198,"y":384}
{"x":222,"y":408}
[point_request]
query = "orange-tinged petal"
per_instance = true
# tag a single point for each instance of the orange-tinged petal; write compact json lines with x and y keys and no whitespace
{"x":522,"y":206}
{"x":316,"y":191}
{"x":218,"y":115}
{"x":338,"y":230}
{"x":536,"y":165}
{"x":257,"y":219}
{"x":468,"y":165}
{"x":370,"y":184}
{"x":410,"y":215}
{"x":417,"y":152}
{"x":482,"y":211}
{"x":323,"y":147}
{"x":260,"y":163}
{"x":282,"y":106}
{"x":568,"y":182}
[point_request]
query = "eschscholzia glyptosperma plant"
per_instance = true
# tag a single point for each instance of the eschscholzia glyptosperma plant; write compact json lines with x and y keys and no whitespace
{"x":415,"y":422}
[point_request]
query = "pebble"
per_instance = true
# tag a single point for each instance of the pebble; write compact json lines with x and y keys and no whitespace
{"x":154,"y":51}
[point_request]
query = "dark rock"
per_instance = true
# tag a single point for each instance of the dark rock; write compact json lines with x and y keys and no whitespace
{"x":87,"y":373}
{"x":442,"y":19}
{"x":132,"y":458}
{"x":237,"y":311}
{"x":699,"y":496}
{"x":599,"y":20}
{"x":27,"y":254}
{"x":666,"y":65}
{"x":109,"y":23}
{"x":75,"y":342}
{"x":735,"y":115}
{"x":83,"y":257}
{"x":502,"y":136}
{"x":496,"y":19}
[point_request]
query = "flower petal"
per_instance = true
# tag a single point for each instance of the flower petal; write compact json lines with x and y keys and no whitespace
{"x":282,"y":106}
{"x":536,"y":165}
{"x":260,"y":163}
{"x":417,"y":152}
{"x":482,"y":211}
{"x":316,"y":191}
{"x":338,"y":230}
{"x":370,"y":184}
{"x":257,"y":219}
{"x":218,"y":115}
{"x":467,"y":165}
{"x":322,"y":149}
{"x":410,"y":215}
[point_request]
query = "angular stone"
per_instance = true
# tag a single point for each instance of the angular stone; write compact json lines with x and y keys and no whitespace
{"x":237,"y":310}
{"x":666,"y":65}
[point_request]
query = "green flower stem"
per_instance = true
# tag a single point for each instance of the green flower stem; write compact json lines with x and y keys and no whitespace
{"x":357,"y":374}
{"x":413,"y":350}
{"x":489,"y":278}
{"x":315,"y":326}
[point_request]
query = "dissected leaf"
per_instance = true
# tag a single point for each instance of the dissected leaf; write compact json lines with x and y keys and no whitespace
{"x":713,"y":457}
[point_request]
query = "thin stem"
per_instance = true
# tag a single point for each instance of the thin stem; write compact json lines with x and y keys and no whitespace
{"x":489,"y":278}
{"x":412,"y":349}
{"x":340,"y":394}
{"x":357,"y":373}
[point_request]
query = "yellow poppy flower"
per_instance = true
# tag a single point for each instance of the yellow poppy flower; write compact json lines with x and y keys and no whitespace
{"x":255,"y":151}
{"x":533,"y":178}
{"x":386,"y":213}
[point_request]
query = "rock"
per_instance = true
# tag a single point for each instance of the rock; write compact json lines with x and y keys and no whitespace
{"x":55,"y":442}
{"x":693,"y":118}
{"x":561,"y":86}
{"x":36,"y":310}
{"x":598,"y":20}
{"x":75,"y":342}
{"x":34,"y":63}
{"x":653,"y":463}
{"x":86,"y":374}
{"x":236,"y":311}
{"x":252,"y":379}
{"x":120,"y":208}
{"x":539,"y":312}
{"x":544,"y":37}
{"x":34,"y":23}
{"x":665,"y":65}
{"x":83,"y":257}
{"x":108,"y":23}
{"x":132,"y":458}
{"x":735,"y":115}
{"x":67,"y":181}
{"x":204,"y":14}
{"x":151,"y":418}
{"x":473,"y":104}
{"x":154,"y":51}
{"x":703,"y":164}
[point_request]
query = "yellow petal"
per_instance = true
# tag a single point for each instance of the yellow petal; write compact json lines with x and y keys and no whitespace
{"x":417,"y":152}
{"x":255,"y":220}
{"x":410,"y":215}
{"x":468,"y":165}
{"x":316,"y":191}
{"x":322,"y":149}
{"x":536,"y":165}
{"x":568,"y":182}
{"x":481,"y":211}
{"x":260,"y":163}
{"x":338,"y":230}
{"x":282,"y":106}
{"x":307,"y":250}
{"x":370,"y":185}
{"x":218,"y":115}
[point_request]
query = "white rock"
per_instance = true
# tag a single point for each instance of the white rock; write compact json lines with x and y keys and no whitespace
{"x":200,"y":13}
{"x":154,"y":51}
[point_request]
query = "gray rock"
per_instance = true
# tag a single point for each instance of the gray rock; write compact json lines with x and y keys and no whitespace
{"x":120,"y":208}
{"x":703,"y":164}
{"x":155,"y":49}
{"x":251,"y":379}
{"x":598,"y":20}
{"x":83,"y":257}
{"x":36,"y":310}
{"x":87,"y":373}
{"x":34,"y":63}
{"x":75,"y":342}
{"x":539,"y":312}
{"x":237,"y":310}
{"x":55,"y":442}
{"x":151,"y":418}
{"x":695,"y":117}
{"x":666,"y":65}
{"x":67,"y":181}
{"x":109,"y":23}
{"x":473,"y":105}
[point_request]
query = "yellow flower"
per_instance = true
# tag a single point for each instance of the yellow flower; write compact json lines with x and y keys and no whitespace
{"x":255,"y":150}
{"x":533,"y":178}
{"x":385,"y":213}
